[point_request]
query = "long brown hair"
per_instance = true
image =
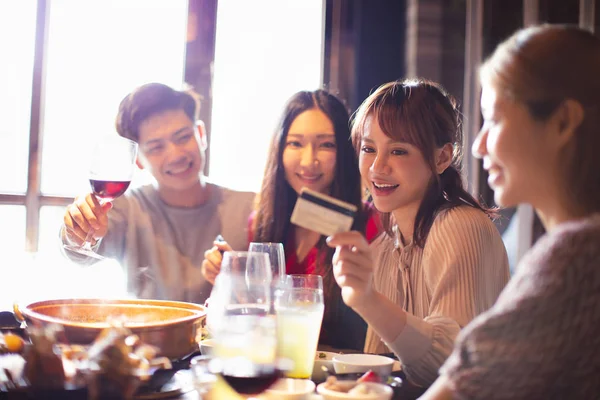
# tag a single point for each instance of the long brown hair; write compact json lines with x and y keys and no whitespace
{"x":542,"y":66}
{"x":420,"y":112}
{"x":277,"y":198}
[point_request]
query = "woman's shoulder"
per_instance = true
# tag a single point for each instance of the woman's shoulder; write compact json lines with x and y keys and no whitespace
{"x":463,"y":225}
{"x":583,"y":228}
{"x":465,"y":216}
{"x":569,"y":243}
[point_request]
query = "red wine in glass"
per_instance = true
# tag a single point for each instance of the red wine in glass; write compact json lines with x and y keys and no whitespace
{"x":250,"y":381}
{"x":108,"y":190}
{"x":111,"y":170}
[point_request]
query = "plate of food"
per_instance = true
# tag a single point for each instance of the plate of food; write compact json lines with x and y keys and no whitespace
{"x":368,"y":386}
{"x":117,"y":363}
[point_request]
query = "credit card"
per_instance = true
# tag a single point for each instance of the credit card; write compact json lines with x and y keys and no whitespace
{"x":322,"y":213}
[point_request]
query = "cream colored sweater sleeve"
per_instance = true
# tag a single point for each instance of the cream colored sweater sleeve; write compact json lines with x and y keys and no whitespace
{"x":465,"y":268}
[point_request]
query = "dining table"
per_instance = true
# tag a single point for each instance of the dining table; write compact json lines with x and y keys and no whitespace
{"x":181,"y":386}
{"x":406,"y":391}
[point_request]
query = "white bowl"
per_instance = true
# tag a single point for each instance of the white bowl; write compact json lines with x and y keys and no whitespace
{"x":206,"y":347}
{"x":378,"y":391}
{"x":322,"y":359}
{"x":348,"y":363}
{"x":290,"y":389}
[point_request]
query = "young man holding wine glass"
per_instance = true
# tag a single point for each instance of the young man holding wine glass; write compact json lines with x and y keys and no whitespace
{"x":159,"y":232}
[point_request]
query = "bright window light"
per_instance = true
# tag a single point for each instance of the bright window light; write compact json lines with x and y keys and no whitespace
{"x":95,"y":56}
{"x":265,"y":51}
{"x":17,"y":32}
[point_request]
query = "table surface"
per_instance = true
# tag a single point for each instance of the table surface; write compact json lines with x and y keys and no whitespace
{"x":406,"y":392}
{"x":183,"y":379}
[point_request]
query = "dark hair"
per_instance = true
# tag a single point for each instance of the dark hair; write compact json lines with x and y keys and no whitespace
{"x":542,"y":66}
{"x":420,"y":112}
{"x":277,"y":198}
{"x":151,"y":99}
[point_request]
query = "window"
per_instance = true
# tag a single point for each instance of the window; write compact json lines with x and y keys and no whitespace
{"x":90,"y":55}
{"x":66,"y":66}
{"x":260,"y":61}
{"x":92,"y":64}
{"x":17,"y":32}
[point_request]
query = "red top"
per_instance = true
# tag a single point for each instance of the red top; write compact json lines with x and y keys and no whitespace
{"x":342,"y":328}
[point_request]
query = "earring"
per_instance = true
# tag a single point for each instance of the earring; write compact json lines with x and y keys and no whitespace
{"x":367,"y":194}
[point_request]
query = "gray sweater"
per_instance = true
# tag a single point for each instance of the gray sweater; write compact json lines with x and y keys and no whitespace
{"x":541,"y":340}
{"x":161,"y":248}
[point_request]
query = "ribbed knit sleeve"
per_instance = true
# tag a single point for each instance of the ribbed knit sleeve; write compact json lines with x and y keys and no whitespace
{"x":463,"y":269}
{"x":541,"y":340}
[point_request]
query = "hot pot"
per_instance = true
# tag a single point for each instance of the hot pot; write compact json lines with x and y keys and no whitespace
{"x":172,"y":326}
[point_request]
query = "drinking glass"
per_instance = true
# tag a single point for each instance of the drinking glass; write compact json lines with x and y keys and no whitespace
{"x":244,"y":333}
{"x":252,"y":265}
{"x":204,"y":380}
{"x":299,"y":308}
{"x":276,"y":257}
{"x":110,"y":173}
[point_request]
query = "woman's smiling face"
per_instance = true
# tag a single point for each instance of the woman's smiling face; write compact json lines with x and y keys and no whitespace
{"x":395,"y":172}
{"x":515,"y":149}
{"x":309,"y":155}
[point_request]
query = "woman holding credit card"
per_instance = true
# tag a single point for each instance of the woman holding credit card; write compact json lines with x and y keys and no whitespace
{"x":441,"y":261}
{"x":311,"y":149}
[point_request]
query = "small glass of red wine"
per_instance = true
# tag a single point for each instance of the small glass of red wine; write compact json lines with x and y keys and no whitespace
{"x":110,"y":174}
{"x":244,"y":330}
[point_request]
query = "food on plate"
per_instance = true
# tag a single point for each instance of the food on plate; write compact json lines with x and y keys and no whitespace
{"x":114,"y":366}
{"x":118,"y":363}
{"x":370,"y":376}
{"x":11,"y":343}
{"x":360,"y":389}
{"x":321,"y":355}
{"x":11,"y":370}
{"x":351,"y":387}
{"x":357,"y":387}
{"x":43,"y":365}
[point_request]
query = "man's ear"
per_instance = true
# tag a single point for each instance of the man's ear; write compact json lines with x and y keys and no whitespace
{"x":569,"y":117}
{"x":202,"y":132}
{"x":443,"y":158}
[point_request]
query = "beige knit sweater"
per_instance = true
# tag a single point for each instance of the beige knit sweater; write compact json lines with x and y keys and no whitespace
{"x":458,"y":274}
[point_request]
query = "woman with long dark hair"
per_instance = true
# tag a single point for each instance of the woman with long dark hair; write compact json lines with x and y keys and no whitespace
{"x":311,"y":148}
{"x":442,"y":260}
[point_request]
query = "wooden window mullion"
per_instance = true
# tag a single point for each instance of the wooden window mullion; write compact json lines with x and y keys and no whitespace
{"x":32,"y":197}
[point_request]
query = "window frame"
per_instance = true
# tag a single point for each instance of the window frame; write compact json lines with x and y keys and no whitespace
{"x":33,"y":199}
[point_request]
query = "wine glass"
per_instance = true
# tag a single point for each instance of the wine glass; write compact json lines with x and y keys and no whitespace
{"x":276,"y":257}
{"x":252,"y":265}
{"x":110,"y":174}
{"x":244,"y":332}
{"x":244,"y":263}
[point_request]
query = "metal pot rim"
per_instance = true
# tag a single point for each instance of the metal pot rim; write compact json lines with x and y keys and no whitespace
{"x":29,"y":312}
